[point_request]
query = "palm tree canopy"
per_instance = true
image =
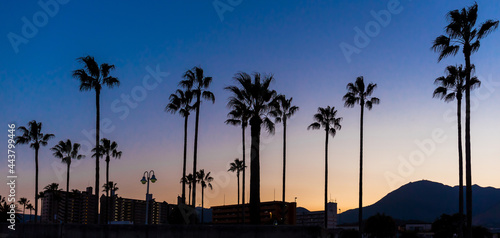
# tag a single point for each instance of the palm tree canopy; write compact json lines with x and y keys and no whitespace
{"x":111,"y":186}
{"x":461,"y":30}
{"x":204,"y":179}
{"x":358,"y":93}
{"x":197,"y":83}
{"x":92,"y":76}
{"x":30,"y":206}
{"x":66,"y":151}
{"x":190,"y":179}
{"x":108,"y":148}
{"x":256,"y":95}
{"x":180,"y":102}
{"x":283,"y":108}
{"x":23,"y":201}
{"x":33,"y":134}
{"x":236,"y":166}
{"x":239,"y":115}
{"x":326,"y":118}
{"x":52,"y":187}
{"x":452,"y":86}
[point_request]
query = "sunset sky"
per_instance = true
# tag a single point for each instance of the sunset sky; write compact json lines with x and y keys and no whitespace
{"x":410,"y":136}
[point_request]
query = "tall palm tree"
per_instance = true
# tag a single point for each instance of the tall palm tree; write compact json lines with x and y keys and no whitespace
{"x":356,"y":94}
{"x":239,"y":115}
{"x":461,"y":32}
{"x":237,"y":166}
{"x":205,"y":181}
{"x":283,"y":111}
{"x":450,"y":88}
{"x":94,"y":77}
{"x":23,"y":202}
{"x":326,"y":118}
{"x":67,"y":151}
{"x":190,"y":180}
{"x":180,"y":102}
{"x":108,"y":149}
{"x":197,"y":83}
{"x":259,"y":98}
{"x":34,"y":136}
{"x":30,"y":208}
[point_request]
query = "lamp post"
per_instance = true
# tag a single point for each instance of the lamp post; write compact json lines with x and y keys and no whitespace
{"x":150,"y":176}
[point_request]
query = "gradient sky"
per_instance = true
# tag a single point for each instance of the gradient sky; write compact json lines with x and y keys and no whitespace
{"x":297,"y":41}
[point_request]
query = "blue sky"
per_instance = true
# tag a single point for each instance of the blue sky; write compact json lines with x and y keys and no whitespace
{"x":297,"y":41}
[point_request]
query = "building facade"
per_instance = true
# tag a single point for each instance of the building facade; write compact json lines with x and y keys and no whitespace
{"x":82,"y":206}
{"x":270,"y":213}
{"x":317,"y":218}
{"x":134,"y":210}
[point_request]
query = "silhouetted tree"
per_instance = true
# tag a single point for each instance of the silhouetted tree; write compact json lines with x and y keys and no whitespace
{"x":327,"y":119}
{"x":67,"y":151}
{"x":190,"y":180}
{"x":197,"y":83}
{"x":30,"y":208}
{"x":237,"y":166}
{"x":205,"y":181}
{"x":380,"y":226}
{"x":34,"y":136}
{"x":23,"y":202}
{"x":108,"y":149}
{"x":356,"y":94}
{"x":180,"y":102}
{"x":239,"y":115}
{"x":259,"y":98}
{"x":94,"y":77}
{"x":461,"y":32}
{"x":450,"y":88}
{"x":283,"y":111}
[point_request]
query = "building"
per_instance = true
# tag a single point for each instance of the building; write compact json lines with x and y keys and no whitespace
{"x":317,"y":218}
{"x":134,"y":210}
{"x":82,"y":206}
{"x":270,"y":213}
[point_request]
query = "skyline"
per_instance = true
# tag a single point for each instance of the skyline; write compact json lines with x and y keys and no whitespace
{"x":308,"y":64}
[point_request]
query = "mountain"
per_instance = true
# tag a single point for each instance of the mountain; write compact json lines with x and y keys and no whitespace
{"x":426,"y":201}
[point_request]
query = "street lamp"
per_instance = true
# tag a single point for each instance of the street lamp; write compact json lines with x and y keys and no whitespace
{"x":144,"y":181}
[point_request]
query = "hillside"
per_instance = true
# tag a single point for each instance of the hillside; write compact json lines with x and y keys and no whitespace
{"x":426,"y":200}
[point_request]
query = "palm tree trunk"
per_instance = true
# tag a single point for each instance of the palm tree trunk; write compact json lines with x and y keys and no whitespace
{"x":202,"y":200}
{"x":190,"y":194}
{"x":238,"y":178}
{"x":195,"y":153}
{"x":66,"y":212}
{"x":255,"y":124}
{"x":244,"y":175}
{"x":184,"y":161}
{"x":326,"y":178}
{"x":360,"y":216}
{"x":97,"y":152}
{"x":108,"y":204}
{"x":36,"y":185}
{"x":468,"y":169}
{"x":460,"y":168}
{"x":284,"y":159}
{"x":24,"y":212}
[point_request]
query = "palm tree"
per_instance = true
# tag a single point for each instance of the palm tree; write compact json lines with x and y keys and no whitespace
{"x":450,"y":88}
{"x":326,"y":118}
{"x":23,"y":202}
{"x":67,"y":151}
{"x":237,"y":166}
{"x":283,"y":111}
{"x":110,"y":186}
{"x":180,"y":102}
{"x":357,"y":93}
{"x":107,"y":187}
{"x":94,"y":77}
{"x":31,"y":208}
{"x":53,"y":189}
{"x":239,"y":115}
{"x":258,"y":98}
{"x":205,"y":181}
{"x":197,"y":83}
{"x":34,"y":136}
{"x":109,"y":149}
{"x":190,"y":180}
{"x":462,"y":32}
